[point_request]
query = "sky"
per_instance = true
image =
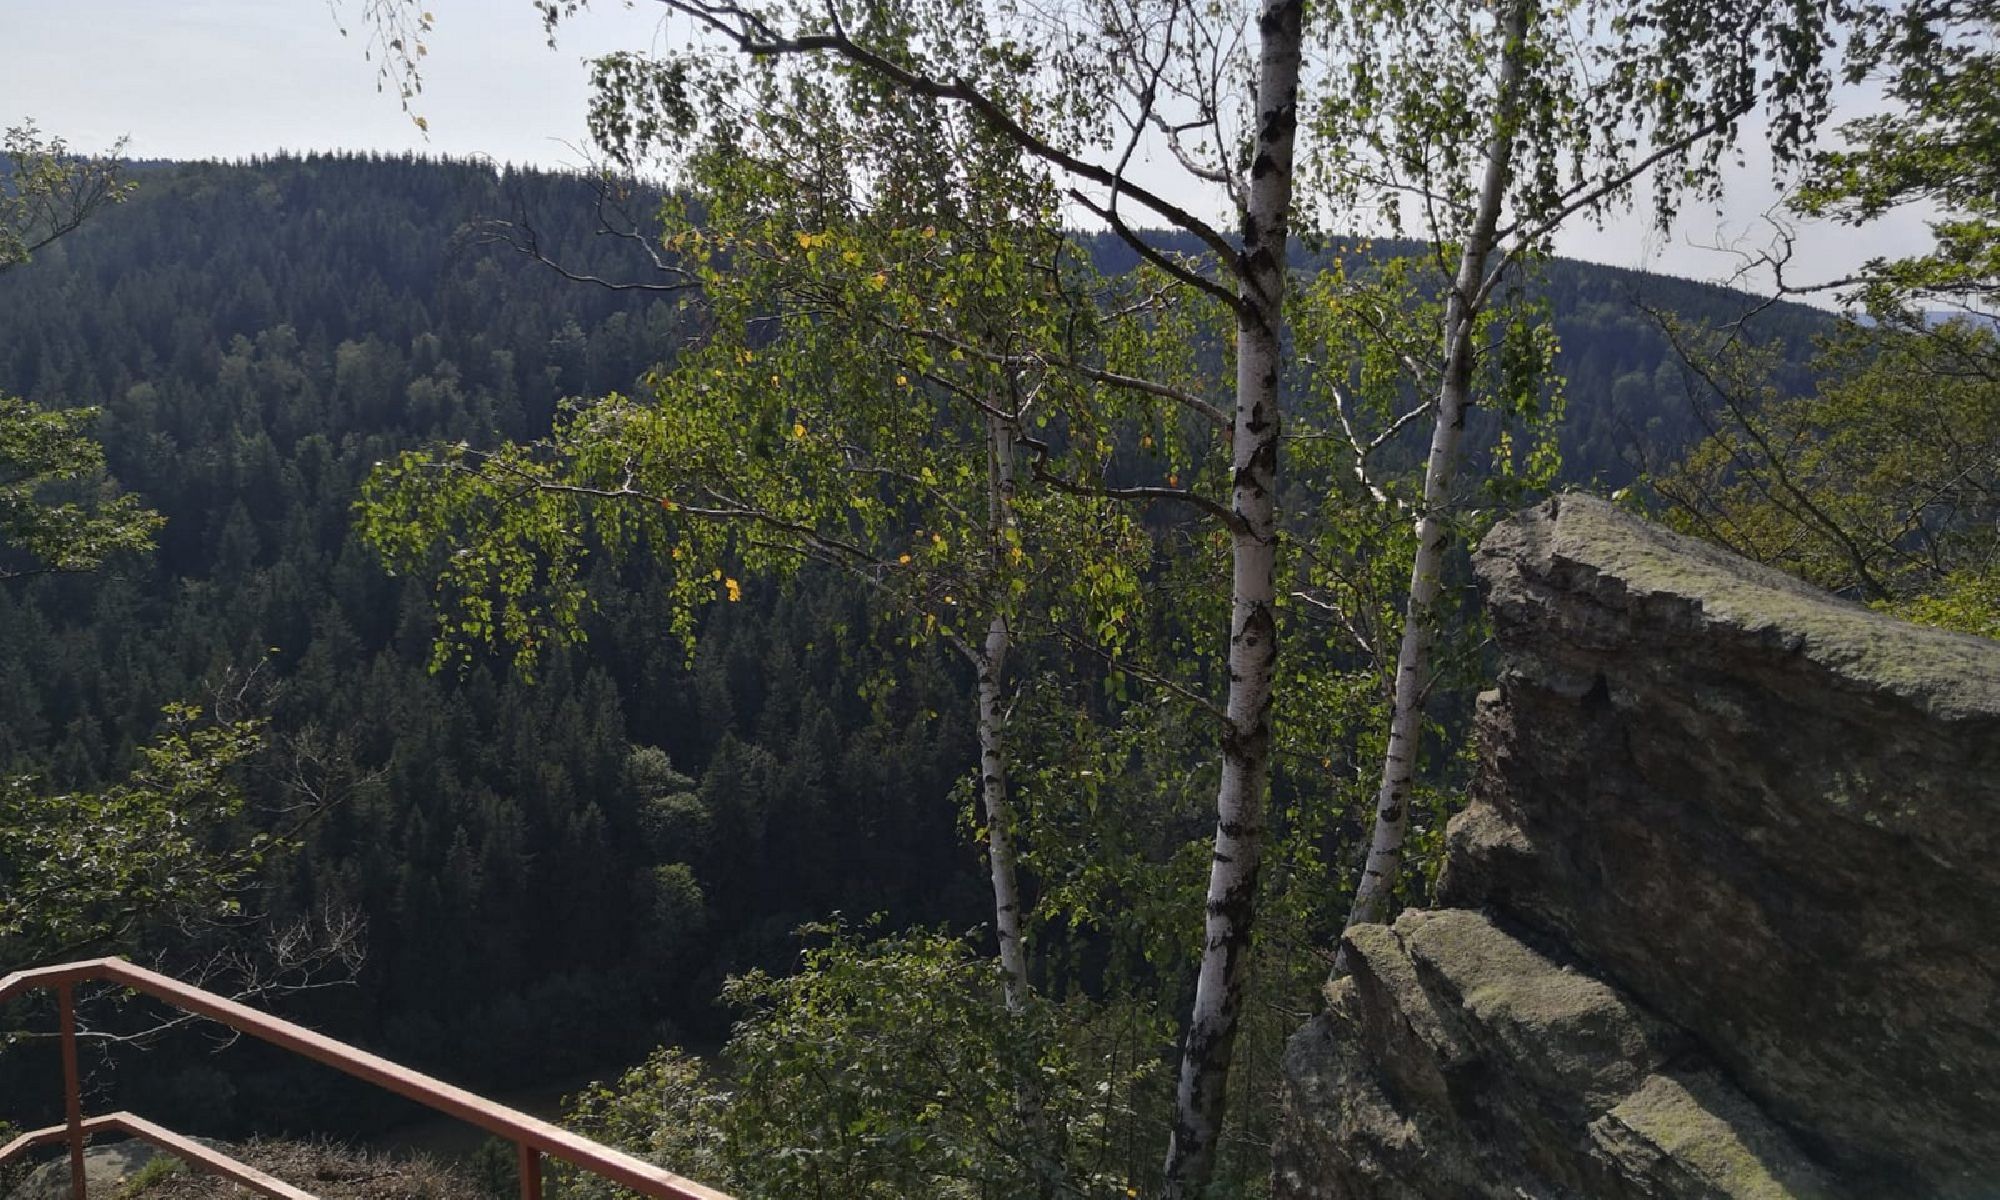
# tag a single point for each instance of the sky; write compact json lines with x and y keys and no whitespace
{"x":235,"y":78}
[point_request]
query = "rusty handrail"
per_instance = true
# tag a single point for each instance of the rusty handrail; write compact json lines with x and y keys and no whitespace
{"x":532,"y":1137}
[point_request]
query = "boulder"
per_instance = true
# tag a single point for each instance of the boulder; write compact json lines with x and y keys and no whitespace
{"x":107,"y":1168}
{"x":1767,"y":822}
{"x":1458,"y":1060}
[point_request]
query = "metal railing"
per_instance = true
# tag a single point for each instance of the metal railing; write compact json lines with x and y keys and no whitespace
{"x":533,"y":1138}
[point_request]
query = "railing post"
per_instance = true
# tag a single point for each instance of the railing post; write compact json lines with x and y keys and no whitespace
{"x":530,"y":1161}
{"x":72,"y":1088}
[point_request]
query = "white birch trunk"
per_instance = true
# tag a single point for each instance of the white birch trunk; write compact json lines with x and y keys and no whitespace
{"x":1246,"y":740}
{"x":1413,"y":659}
{"x":1000,"y":814}
{"x":992,"y":665}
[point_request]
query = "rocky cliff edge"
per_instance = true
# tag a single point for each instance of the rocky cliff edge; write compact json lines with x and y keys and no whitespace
{"x":1722,"y":917}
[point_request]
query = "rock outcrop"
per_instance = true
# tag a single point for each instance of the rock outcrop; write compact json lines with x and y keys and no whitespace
{"x":1724,"y":910}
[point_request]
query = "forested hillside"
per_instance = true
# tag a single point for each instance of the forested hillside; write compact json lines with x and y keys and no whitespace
{"x":259,"y":337}
{"x":551,"y":874}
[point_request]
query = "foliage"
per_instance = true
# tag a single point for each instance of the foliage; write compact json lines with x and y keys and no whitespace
{"x":58,"y":512}
{"x":1649,"y":95}
{"x":1358,"y":454}
{"x":816,"y":420}
{"x":506,"y":863}
{"x":86,"y":869}
{"x":46,"y":192}
{"x":157,"y":1169}
{"x":1881,"y":484}
{"x":80,"y":869}
{"x":45,"y":461}
{"x":885,"y":1066}
{"x":1938,"y":146}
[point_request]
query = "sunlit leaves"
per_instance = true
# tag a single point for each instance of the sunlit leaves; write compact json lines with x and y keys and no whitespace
{"x":1406,"y":109}
{"x":837,"y":410}
{"x":1882,"y":482}
{"x":79,"y":869}
{"x":58,"y":510}
{"x":1939,"y":149}
{"x":46,"y":191}
{"x":885,"y":1066}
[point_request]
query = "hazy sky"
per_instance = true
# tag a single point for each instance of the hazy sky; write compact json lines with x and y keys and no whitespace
{"x":231,"y":78}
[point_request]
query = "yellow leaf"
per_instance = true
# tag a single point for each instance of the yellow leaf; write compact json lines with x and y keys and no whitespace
{"x":902,"y":381}
{"x":903,"y":558}
{"x":734,"y":589}
{"x":798,"y":429}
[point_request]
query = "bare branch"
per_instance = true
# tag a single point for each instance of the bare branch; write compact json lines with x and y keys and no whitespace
{"x":1524,"y":236}
{"x":754,"y":37}
{"x":1209,"y":412}
{"x":521,"y":235}
{"x":1152,"y":254}
{"x":1038,"y":466}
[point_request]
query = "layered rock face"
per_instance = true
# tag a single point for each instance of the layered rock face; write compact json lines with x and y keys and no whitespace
{"x":1724,"y":912}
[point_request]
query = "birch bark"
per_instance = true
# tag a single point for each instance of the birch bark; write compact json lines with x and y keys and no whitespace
{"x":991,"y":664}
{"x":1201,"y":1094}
{"x":1413,"y":658}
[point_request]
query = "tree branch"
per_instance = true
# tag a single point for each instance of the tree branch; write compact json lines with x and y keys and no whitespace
{"x":754,"y":37}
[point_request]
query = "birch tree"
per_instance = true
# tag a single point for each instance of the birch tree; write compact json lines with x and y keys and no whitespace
{"x":1149,"y":53}
{"x":861,"y":401}
{"x":1495,"y":126}
{"x":1079,"y":92}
